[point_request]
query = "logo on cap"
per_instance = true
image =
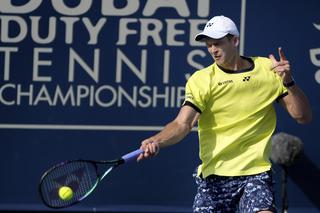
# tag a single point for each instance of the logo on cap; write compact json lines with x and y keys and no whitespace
{"x":209,"y":24}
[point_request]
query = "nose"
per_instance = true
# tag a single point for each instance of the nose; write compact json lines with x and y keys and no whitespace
{"x":212,"y":49}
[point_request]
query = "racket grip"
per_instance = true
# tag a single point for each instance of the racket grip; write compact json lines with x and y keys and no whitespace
{"x":132,"y":155}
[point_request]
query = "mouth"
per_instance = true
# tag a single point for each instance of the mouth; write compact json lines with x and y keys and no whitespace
{"x":216,"y":57}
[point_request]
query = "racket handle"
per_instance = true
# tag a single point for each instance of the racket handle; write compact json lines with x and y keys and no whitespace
{"x":132,"y":155}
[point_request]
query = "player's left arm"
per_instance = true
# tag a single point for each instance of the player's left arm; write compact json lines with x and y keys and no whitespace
{"x":296,"y":102}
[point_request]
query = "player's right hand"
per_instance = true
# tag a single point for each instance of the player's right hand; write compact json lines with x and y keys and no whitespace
{"x":150,"y":149}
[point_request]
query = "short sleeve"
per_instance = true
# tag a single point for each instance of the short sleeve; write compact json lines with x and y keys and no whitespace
{"x":281,"y":89}
{"x":197,"y":91}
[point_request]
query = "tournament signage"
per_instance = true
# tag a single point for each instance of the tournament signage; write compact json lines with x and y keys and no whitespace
{"x":122,"y":65}
{"x":98,"y":54}
{"x":314,"y":57}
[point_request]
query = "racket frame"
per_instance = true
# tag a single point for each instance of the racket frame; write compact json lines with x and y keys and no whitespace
{"x":114,"y":163}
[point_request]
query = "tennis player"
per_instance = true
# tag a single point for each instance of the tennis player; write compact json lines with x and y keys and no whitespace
{"x":232,"y":102}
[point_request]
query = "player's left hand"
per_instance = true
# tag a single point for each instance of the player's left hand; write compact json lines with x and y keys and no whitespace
{"x":282,"y":67}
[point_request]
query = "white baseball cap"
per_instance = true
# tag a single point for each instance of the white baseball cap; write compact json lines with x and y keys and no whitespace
{"x":218,"y":27}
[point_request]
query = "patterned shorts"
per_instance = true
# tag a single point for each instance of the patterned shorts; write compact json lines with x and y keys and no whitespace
{"x":245,"y":194}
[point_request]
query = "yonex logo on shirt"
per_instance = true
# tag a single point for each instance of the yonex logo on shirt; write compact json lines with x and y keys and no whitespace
{"x":246,"y":78}
{"x":225,"y":82}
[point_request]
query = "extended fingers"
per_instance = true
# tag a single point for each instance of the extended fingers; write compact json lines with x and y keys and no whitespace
{"x":281,"y":66}
{"x":282,"y":69}
{"x":274,"y":61}
{"x":281,"y":54}
{"x":272,"y":58}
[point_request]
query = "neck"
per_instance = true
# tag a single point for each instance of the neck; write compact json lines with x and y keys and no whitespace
{"x":236,"y":63}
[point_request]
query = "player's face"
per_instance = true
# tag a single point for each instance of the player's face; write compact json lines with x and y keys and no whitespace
{"x":222,"y":50}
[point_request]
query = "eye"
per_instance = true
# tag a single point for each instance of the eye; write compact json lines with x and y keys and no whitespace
{"x":217,"y":44}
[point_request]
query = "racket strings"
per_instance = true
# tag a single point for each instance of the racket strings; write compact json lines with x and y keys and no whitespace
{"x":79,"y":176}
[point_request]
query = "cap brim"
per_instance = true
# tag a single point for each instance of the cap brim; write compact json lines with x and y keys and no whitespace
{"x":215,"y":35}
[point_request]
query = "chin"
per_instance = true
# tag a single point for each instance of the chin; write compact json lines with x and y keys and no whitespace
{"x":219,"y":61}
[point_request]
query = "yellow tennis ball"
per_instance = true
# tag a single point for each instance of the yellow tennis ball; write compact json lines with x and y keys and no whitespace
{"x":65,"y":193}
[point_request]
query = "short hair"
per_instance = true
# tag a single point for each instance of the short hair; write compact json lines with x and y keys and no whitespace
{"x":229,"y":36}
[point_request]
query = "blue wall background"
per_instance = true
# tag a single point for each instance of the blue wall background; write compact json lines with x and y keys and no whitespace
{"x":100,"y":117}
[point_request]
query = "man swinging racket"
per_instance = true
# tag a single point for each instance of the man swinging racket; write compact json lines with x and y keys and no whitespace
{"x":232,"y":102}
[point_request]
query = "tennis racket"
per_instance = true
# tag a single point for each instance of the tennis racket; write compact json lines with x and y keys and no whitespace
{"x":77,"y":178}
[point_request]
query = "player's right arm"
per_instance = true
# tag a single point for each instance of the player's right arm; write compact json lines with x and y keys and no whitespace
{"x":172,"y":133}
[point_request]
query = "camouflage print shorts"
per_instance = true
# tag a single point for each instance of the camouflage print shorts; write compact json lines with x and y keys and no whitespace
{"x":245,"y":194}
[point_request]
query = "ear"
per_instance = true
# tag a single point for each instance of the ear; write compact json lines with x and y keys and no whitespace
{"x":236,"y":41}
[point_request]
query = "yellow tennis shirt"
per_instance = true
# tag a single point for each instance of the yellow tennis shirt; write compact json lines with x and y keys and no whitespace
{"x":237,"y":116}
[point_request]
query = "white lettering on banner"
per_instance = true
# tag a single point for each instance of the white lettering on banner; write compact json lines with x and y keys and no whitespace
{"x":315,"y":57}
{"x":316,"y":61}
{"x":89,"y":95}
{"x":140,"y":74}
{"x":147,"y":32}
{"x":152,"y":29}
{"x":91,"y":66}
{"x":20,"y":94}
{"x":2,"y":98}
{"x":317,"y":76}
{"x":7,"y":52}
{"x":64,"y":98}
{"x":124,"y":31}
{"x":35,"y":30}
{"x":43,"y":96}
{"x":172,"y":32}
{"x":191,"y":56}
{"x":54,"y":39}
{"x":166,"y":65}
{"x":203,"y":8}
{"x":142,"y":28}
{"x":59,"y":6}
{"x":37,"y":62}
{"x":69,"y":22}
{"x":62,"y":8}
{"x":5,"y":21}
{"x":194,"y":30}
{"x":108,"y":7}
{"x":69,"y":25}
{"x":94,"y":30}
{"x":317,"y":26}
{"x":180,"y":6}
{"x":7,"y":7}
{"x":94,"y":73}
